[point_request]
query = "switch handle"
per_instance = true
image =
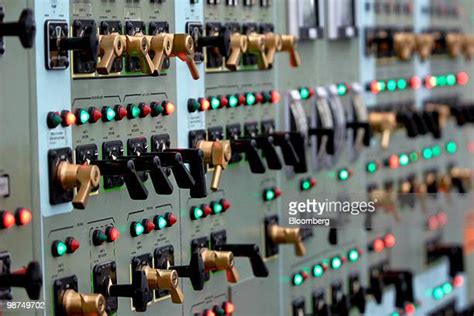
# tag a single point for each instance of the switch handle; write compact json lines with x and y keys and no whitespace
{"x":238,"y":46}
{"x":29,"y":278}
{"x":25,"y":28}
{"x":152,"y":164}
{"x":266,"y":144}
{"x":183,"y":48}
{"x":88,"y":44}
{"x":282,"y":140}
{"x":162,"y":46}
{"x":431,"y":119}
{"x":298,"y":142}
{"x":403,"y":282}
{"x":420,"y":123}
{"x":367,"y":131}
{"x":74,"y":303}
{"x":289,"y":45}
{"x":406,"y":119}
{"x":138,"y":291}
{"x":252,"y":251}
{"x":195,"y":159}
{"x":174,"y":160}
{"x":137,"y":46}
{"x":256,"y":46}
{"x":249,"y":147}
{"x":329,"y":134}
{"x":110,"y":47}
{"x":221,"y":41}
{"x":84,"y":177}
{"x":195,"y":271}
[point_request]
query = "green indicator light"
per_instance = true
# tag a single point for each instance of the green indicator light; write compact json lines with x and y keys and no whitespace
{"x":414,"y":156}
{"x":298,"y":279}
{"x":269,"y":195}
{"x":84,"y":116}
{"x":353,"y":255}
{"x":391,"y":85}
{"x":402,"y":84}
{"x":447,"y":288}
{"x":233,"y":101}
{"x":451,"y":80}
{"x":341,"y":89}
{"x":438,"y":293}
{"x":441,"y":80}
{"x":198,"y":213}
{"x":427,"y":153}
{"x":395,"y":314}
{"x":215,"y":103}
{"x":372,"y":167}
{"x":336,"y":263}
{"x":135,"y":111}
{"x":110,"y":114}
{"x":404,"y":160}
{"x":343,"y":174}
{"x":138,"y":229}
{"x":382,"y":85}
{"x":61,"y":248}
{"x":436,"y":150}
{"x":250,"y":99}
{"x":304,"y":93}
{"x":451,"y":147}
{"x":305,"y":185}
{"x":162,"y":222}
{"x":217,"y":208}
{"x":318,"y":271}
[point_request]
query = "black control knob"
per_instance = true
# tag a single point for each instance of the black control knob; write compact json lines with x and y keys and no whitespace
{"x":282,"y":140}
{"x":407,"y":120}
{"x":221,"y":42}
{"x":138,"y":291}
{"x":174,"y":161}
{"x":298,"y":141}
{"x":365,"y":126}
{"x":195,"y":271}
{"x":88,"y":44}
{"x":25,"y":28}
{"x":267,"y":146}
{"x":403,"y":282}
{"x":127,"y":170}
{"x":357,"y":293}
{"x":431,"y":119}
{"x":320,"y":307}
{"x":332,"y":236}
{"x":339,"y":302}
{"x":454,"y":253}
{"x":420,"y":123}
{"x":324,"y":132}
{"x":249,"y":147}
{"x":29,"y":278}
{"x":376,"y":285}
{"x":195,"y":158}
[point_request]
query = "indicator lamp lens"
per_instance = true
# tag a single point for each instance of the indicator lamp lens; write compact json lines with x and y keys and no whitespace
{"x":436,"y":150}
{"x":381,"y":85}
{"x":59,"y":248}
{"x":269,"y":194}
{"x":197,"y":213}
{"x":343,"y":174}
{"x":414,"y":156}
{"x":378,"y":245}
{"x":447,"y":288}
{"x":215,"y":103}
{"x":217,"y":208}
{"x":353,"y":255}
{"x":233,"y":101}
{"x":438,"y":293}
{"x":305,"y":185}
{"x":229,"y":308}
{"x":372,"y":167}
{"x":318,"y":271}
{"x":205,"y":104}
{"x":298,"y":279}
{"x":23,"y":216}
{"x":451,"y":147}
{"x":133,"y":111}
{"x":168,"y":108}
{"x":415,"y":83}
{"x":427,"y":153}
{"x":441,"y":81}
{"x":250,"y":99}
{"x":83,"y":116}
{"x":341,"y":89}
{"x":391,"y":85}
{"x":404,"y":160}
{"x":68,"y":118}
{"x":275,"y":97}
{"x":160,"y":222}
{"x":8,"y":219}
{"x":451,"y":80}
{"x":112,"y":234}
{"x":304,"y":93}
{"x":390,"y":241}
{"x":137,"y":229}
{"x":402,"y":84}
{"x":336,"y":263}
{"x":462,"y":78}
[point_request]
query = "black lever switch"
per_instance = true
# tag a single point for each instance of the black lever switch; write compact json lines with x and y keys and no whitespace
{"x":25,"y":28}
{"x":28,"y":278}
{"x":195,"y":271}
{"x":175,"y":162}
{"x":367,"y":131}
{"x":249,"y":147}
{"x":88,"y":44}
{"x":220,"y":42}
{"x":454,"y":253}
{"x":407,"y":120}
{"x":431,"y":119}
{"x":152,"y":164}
{"x":138,"y":291}
{"x":403,"y":282}
{"x":329,"y":133}
{"x":197,"y":167}
{"x":298,"y":141}
{"x":282,"y":140}
{"x":266,"y":144}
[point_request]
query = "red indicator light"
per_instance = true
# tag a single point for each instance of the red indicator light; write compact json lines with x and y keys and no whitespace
{"x":415,"y":83}
{"x":442,"y":218}
{"x":145,"y":109}
{"x":207,"y":210}
{"x":148,"y":225}
{"x":204,"y":104}
{"x":224,"y":101}
{"x":374,"y":87}
{"x":121,"y":112}
{"x":225,"y":204}
{"x":209,"y":312}
{"x":433,"y":223}
{"x":95,"y":115}
{"x":23,"y":216}
{"x":258,"y":97}
{"x":458,"y":281}
{"x":242,"y":99}
{"x":277,"y":192}
{"x":275,"y":97}
{"x":390,"y":241}
{"x":430,"y":82}
{"x":112,"y":234}
{"x":7,"y":219}
{"x":168,"y":107}
{"x":378,"y":245}
{"x":393,"y":162}
{"x":228,"y":307}
{"x":170,"y":219}
{"x":68,"y":118}
{"x":462,"y":78}
{"x":72,"y":245}
{"x":410,"y":309}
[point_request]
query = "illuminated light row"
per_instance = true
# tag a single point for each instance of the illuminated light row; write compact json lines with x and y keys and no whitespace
{"x":439,"y":292}
{"x":146,"y":226}
{"x":341,"y":88}
{"x":21,"y":217}
{"x":110,"y":234}
{"x":214,"y":208}
{"x":437,"y":221}
{"x":415,"y":82}
{"x":107,"y":114}
{"x":380,"y":244}
{"x":233,"y":101}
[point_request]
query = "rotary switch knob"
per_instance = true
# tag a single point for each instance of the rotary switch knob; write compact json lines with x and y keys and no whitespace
{"x":25,"y":28}
{"x":288,"y":44}
{"x":220,"y":260}
{"x":424,"y":45}
{"x":137,"y":46}
{"x":217,"y":154}
{"x":454,"y":42}
{"x":256,"y":46}
{"x":110,"y":47}
{"x":161,"y":45}
{"x":283,"y":235}
{"x":159,"y":279}
{"x":183,"y":48}
{"x":383,"y":123}
{"x":273,"y":44}
{"x":404,"y":45}
{"x":238,"y":46}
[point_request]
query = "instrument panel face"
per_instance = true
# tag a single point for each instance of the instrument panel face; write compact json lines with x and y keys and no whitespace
{"x":236,"y":157}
